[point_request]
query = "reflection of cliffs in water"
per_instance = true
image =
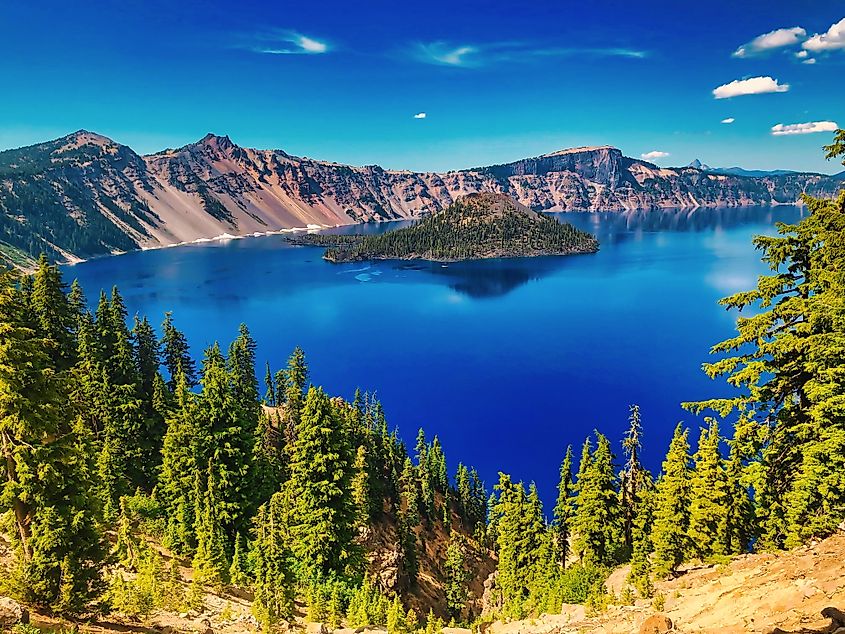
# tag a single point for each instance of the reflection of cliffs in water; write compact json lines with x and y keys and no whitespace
{"x":490,"y":278}
{"x":611,"y":227}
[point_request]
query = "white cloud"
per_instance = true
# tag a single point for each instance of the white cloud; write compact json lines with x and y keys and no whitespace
{"x":804,"y":128}
{"x":291,"y":43}
{"x":728,"y":120}
{"x":750,"y":86}
{"x":654,"y":154}
{"x":832,"y":40}
{"x":477,"y":55}
{"x":812,"y":60}
{"x":801,"y":54}
{"x":447,"y":55}
{"x":420,"y":115}
{"x":771,"y":40}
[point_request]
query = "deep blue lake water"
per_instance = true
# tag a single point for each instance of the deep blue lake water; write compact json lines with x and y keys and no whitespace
{"x":508,"y":361}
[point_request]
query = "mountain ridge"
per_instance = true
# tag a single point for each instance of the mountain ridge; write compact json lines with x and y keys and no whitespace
{"x":84,"y":195}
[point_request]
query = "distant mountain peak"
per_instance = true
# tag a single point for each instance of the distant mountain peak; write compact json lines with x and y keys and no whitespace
{"x":697,"y":164}
{"x":86,"y":137}
{"x":216,"y":140}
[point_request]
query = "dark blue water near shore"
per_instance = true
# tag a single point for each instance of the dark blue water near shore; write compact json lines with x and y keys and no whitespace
{"x":507,"y":361}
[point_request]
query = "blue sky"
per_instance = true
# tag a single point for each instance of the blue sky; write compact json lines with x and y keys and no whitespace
{"x":496,"y":81}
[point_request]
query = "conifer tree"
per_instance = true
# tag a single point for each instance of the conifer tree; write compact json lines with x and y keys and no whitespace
{"x":54,"y":318}
{"x":77,"y":304}
{"x":273,"y":579}
{"x":564,"y":509}
{"x":179,"y":467}
{"x":478,"y":497}
{"x":396,"y":617}
{"x":424,"y":473}
{"x":640,"y":574}
{"x":225,"y":439}
{"x":359,"y":488}
{"x":409,"y":488}
{"x":739,"y":511}
{"x":596,"y":519}
{"x":408,"y":544}
{"x":153,"y":398}
{"x":270,"y":384}
{"x":241,"y":362}
{"x":209,"y":563}
{"x":456,"y":576}
{"x":708,"y":511}
{"x":321,"y":514}
{"x":46,"y":471}
{"x":671,"y":507}
{"x":520,"y":536}
{"x":462,"y":488}
{"x":238,"y":576}
{"x":786,"y":360}
{"x":633,"y":476}
{"x":295,"y":382}
{"x":176,"y":354}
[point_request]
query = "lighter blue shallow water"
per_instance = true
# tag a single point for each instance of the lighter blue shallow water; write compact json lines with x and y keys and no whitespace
{"x":507,"y":361}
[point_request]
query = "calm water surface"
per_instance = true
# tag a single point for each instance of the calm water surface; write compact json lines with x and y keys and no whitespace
{"x":507,"y":361}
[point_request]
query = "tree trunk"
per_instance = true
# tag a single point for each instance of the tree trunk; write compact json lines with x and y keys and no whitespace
{"x":21,"y":510}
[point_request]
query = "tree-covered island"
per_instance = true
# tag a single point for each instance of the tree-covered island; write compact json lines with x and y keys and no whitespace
{"x":475,"y":227}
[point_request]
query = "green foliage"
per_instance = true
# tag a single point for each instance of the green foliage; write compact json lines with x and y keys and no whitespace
{"x":708,"y":515}
{"x":672,"y":507}
{"x":274,"y":582}
{"x":238,"y":573}
{"x":320,"y":515}
{"x":457,"y":576}
{"x":396,"y":623}
{"x":367,"y":606}
{"x":596,"y":520}
{"x":210,"y":563}
{"x":145,"y":592}
{"x":47,"y":473}
{"x":564,"y":509}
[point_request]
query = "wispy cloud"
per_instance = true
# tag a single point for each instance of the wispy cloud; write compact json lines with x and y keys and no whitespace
{"x":833,"y":39}
{"x":654,"y":154}
{"x":770,"y":41}
{"x":728,"y":121}
{"x":420,"y":115}
{"x":804,"y":128}
{"x":446,"y":54}
{"x":750,"y":86}
{"x":287,"y":43}
{"x":468,"y":55}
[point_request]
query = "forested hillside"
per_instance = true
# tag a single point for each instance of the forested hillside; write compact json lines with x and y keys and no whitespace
{"x":474,"y":227}
{"x":121,"y":453}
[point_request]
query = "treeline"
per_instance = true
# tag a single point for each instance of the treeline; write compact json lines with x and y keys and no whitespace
{"x":108,"y":429}
{"x":476,"y":226}
{"x":696,"y":508}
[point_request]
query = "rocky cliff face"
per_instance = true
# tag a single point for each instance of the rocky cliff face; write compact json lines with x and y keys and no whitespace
{"x":85,"y":195}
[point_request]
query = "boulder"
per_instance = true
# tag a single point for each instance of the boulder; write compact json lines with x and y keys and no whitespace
{"x":12,"y":613}
{"x":836,"y":615}
{"x":656,"y":624}
{"x":316,"y":628}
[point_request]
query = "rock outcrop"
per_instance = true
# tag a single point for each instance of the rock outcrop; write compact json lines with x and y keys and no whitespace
{"x":85,"y":195}
{"x":12,"y":613}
